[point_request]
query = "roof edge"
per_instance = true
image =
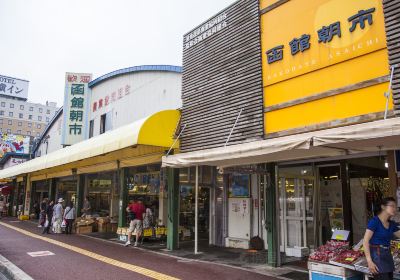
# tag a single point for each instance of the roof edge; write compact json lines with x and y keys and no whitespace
{"x":140,"y":68}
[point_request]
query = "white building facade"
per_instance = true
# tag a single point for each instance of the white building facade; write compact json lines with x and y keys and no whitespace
{"x":130,"y":94}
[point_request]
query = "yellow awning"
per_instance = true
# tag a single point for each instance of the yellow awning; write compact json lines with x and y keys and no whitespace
{"x":149,"y":135}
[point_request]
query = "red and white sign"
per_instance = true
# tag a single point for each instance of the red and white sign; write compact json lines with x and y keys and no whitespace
{"x":111,"y":97}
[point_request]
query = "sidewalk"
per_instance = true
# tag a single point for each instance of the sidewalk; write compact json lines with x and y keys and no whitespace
{"x":234,"y":258}
{"x":294,"y":268}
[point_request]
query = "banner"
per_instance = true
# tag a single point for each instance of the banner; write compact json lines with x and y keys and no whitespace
{"x":76,"y":104}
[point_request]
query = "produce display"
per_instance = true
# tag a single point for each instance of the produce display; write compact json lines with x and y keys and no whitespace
{"x":348,"y":257}
{"x":327,"y":252}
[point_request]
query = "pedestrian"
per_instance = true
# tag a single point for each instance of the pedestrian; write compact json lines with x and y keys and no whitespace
{"x":36,"y":209}
{"x":380,"y":231}
{"x":69,"y":217}
{"x":86,"y":207}
{"x":148,"y":218}
{"x":49,"y":217}
{"x":42,"y":216}
{"x":58,"y":216}
{"x":136,"y":211}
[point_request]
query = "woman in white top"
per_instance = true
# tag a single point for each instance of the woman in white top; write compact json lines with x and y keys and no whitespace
{"x":69,"y":217}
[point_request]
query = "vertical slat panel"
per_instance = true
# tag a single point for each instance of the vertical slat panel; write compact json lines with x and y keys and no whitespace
{"x":391,"y":10}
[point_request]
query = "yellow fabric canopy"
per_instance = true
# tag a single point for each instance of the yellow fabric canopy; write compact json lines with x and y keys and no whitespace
{"x":155,"y":131}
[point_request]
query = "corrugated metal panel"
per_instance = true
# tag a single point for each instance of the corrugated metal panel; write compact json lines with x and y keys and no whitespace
{"x":222,"y":75}
{"x":391,"y":10}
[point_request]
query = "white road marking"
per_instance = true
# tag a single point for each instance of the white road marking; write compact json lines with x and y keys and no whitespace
{"x":40,"y":254}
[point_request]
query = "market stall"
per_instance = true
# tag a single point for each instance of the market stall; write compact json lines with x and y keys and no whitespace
{"x":337,"y":260}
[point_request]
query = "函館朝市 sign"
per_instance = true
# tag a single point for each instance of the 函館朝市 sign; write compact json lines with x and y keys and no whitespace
{"x":320,"y":36}
{"x":76,"y":107}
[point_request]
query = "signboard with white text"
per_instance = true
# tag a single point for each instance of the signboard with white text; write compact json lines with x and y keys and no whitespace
{"x":14,"y":87}
{"x":76,"y":108}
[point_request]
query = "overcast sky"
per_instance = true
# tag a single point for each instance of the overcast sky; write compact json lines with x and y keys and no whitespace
{"x":42,"y":39}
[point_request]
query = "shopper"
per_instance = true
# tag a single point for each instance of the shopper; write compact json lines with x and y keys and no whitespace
{"x":69,"y":217}
{"x":86,"y":207}
{"x":42,"y":216}
{"x":49,"y":217}
{"x":380,"y":231}
{"x":148,"y":218}
{"x":58,"y":216}
{"x":136,"y":211}
{"x":36,"y":209}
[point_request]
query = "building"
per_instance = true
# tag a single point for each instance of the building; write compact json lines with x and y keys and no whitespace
{"x":23,"y":117}
{"x":134,"y":116}
{"x":329,"y":120}
{"x":50,"y":139}
{"x":126,"y":95}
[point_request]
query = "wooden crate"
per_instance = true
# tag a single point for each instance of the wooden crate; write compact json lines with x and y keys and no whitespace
{"x":84,"y":229}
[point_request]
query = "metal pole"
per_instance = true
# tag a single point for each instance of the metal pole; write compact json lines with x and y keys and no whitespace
{"x":387,"y":94}
{"x":176,"y":140}
{"x":233,"y":127}
{"x":196,"y":212}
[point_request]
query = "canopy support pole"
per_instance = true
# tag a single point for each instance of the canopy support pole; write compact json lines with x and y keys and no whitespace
{"x":196,"y":212}
{"x":387,"y":94}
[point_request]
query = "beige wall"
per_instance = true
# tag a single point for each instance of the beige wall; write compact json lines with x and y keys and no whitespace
{"x":23,"y":127}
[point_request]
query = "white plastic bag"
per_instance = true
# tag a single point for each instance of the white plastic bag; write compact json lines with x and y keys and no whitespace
{"x":46,"y":223}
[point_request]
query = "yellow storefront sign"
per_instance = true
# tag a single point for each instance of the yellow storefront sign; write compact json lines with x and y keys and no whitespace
{"x":323,"y":61}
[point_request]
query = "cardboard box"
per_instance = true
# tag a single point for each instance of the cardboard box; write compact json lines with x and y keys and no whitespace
{"x":84,"y":229}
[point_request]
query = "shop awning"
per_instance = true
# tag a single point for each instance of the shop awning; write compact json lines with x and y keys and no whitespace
{"x":144,"y":136}
{"x":373,"y":136}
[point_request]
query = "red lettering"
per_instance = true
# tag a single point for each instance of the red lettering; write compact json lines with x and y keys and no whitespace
{"x":94,"y":106}
{"x":100,"y":103}
{"x":107,"y":100}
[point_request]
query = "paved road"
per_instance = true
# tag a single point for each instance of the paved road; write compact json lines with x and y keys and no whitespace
{"x":76,"y":257}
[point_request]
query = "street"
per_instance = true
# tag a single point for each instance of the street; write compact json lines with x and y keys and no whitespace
{"x":78,"y":257}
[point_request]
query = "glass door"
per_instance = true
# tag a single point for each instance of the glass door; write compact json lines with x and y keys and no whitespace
{"x":296,"y":199}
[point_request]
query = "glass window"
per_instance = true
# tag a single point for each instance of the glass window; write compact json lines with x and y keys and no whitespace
{"x":21,"y":107}
{"x":8,"y":130}
{"x":239,"y":185}
{"x":11,"y":105}
{"x":18,"y":131}
{"x":38,"y":134}
{"x":28,"y":132}
{"x":21,"y":116}
{"x":40,"y":110}
{"x":39,"y":118}
{"x":47,"y":119}
{"x":91,"y":128}
{"x":39,"y":126}
{"x":10,"y":114}
{"x":19,"y":123}
{"x":1,"y":113}
{"x":1,"y":121}
{"x":30,"y":117}
{"x":31,"y":109}
{"x":30,"y":124}
{"x":9,"y":122}
{"x":3,"y":104}
{"x":48,"y":112}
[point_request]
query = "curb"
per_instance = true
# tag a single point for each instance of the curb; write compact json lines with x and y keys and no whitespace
{"x":11,"y":271}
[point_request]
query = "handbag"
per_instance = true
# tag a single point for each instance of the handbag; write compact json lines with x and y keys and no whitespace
{"x":46,"y":223}
{"x":64,"y":222}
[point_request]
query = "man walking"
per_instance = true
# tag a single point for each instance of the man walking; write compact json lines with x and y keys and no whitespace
{"x":136,"y":211}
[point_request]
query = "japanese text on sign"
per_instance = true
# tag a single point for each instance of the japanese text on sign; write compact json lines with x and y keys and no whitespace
{"x":325,"y":35}
{"x":110,"y":98}
{"x":206,"y":30}
{"x":13,"y":87}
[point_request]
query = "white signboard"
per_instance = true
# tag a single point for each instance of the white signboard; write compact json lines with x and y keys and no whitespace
{"x":14,"y":87}
{"x":76,"y":107}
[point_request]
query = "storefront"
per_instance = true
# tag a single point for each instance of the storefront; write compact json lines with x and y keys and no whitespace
{"x":329,"y":129}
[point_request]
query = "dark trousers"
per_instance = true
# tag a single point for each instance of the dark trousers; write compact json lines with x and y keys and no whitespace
{"x":384,"y":276}
{"x":47,"y":229}
{"x":68,"y":226}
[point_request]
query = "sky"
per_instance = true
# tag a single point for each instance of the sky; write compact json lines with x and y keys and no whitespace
{"x":42,"y":39}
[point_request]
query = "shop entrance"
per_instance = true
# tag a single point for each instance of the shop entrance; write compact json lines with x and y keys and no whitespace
{"x":296,"y":208}
{"x":187,"y":205}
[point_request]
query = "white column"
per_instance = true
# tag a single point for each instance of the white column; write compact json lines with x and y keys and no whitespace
{"x":196,"y":211}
